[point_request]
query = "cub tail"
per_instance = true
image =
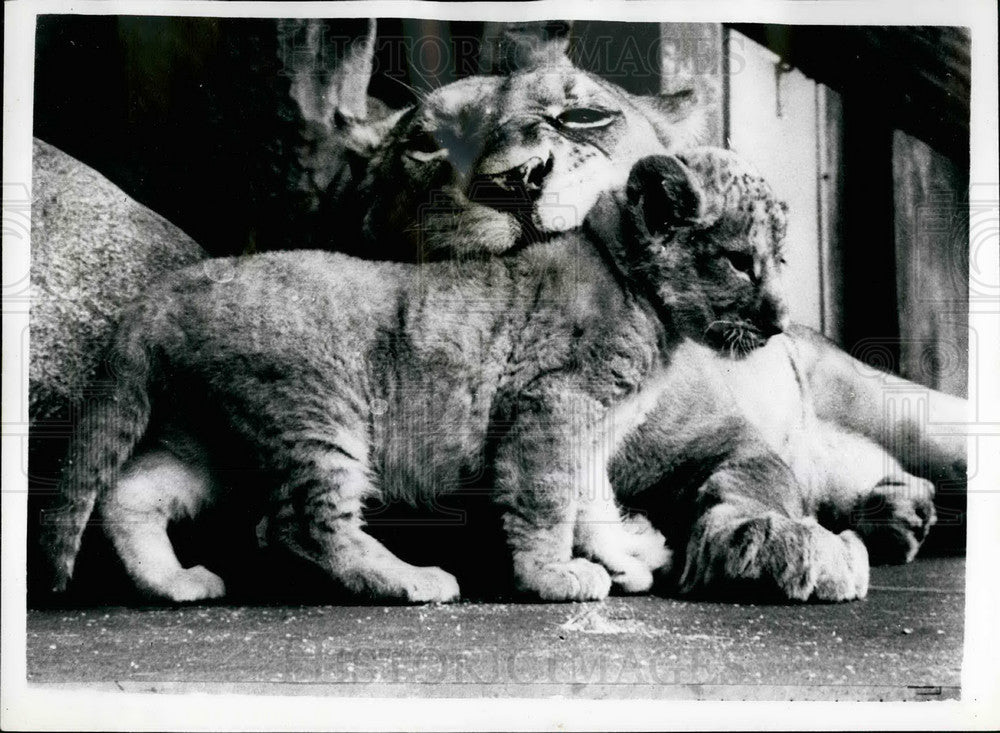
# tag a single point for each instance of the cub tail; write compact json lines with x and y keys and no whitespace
{"x":109,"y":422}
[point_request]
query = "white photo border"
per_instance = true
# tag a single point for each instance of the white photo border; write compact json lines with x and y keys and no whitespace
{"x":33,"y":708}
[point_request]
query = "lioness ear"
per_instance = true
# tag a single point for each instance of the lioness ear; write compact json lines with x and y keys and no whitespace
{"x":680,"y":117}
{"x":525,"y":45}
{"x":675,"y":104}
{"x":325,"y":73}
{"x":664,"y":194}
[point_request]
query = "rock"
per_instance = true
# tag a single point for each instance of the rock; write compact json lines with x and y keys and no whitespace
{"x":93,"y":249}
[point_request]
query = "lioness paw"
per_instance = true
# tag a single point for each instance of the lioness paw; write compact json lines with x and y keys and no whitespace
{"x":193,"y":584}
{"x":576,"y":580}
{"x":895,"y":518}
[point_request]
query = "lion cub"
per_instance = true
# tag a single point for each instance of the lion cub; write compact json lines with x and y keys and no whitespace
{"x":337,"y":380}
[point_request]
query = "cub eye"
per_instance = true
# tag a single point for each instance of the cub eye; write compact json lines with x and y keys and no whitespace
{"x":584,"y":117}
{"x":741,"y":262}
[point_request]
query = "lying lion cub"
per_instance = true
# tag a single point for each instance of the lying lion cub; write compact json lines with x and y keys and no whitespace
{"x":325,"y":374}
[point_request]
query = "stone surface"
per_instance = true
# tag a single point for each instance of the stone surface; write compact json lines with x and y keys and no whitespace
{"x":903,"y":642}
{"x":93,"y":249}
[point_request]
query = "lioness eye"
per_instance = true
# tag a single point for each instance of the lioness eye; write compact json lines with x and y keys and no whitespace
{"x":423,"y":147}
{"x":583,"y":117}
{"x":741,"y":261}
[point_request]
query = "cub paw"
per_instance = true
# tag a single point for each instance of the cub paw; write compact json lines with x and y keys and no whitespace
{"x":630,"y":551}
{"x":193,"y":584}
{"x":646,"y":544}
{"x":430,"y":585}
{"x":576,"y":580}
{"x":630,"y":575}
{"x":895,"y":518}
{"x":775,"y":556}
{"x":842,"y":568}
{"x":808,"y":562}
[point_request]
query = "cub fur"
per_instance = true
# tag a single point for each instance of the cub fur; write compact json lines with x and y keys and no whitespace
{"x":531,"y":366}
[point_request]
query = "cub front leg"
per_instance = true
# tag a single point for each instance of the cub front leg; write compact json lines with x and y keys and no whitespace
{"x":319,"y":519}
{"x":552,"y":482}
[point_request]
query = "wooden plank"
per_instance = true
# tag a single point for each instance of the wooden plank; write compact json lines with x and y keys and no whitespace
{"x":919,"y":77}
{"x":830,"y":149}
{"x":932,"y":274}
{"x":773,"y":123}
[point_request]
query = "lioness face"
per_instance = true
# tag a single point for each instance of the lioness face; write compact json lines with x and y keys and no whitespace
{"x":489,"y":163}
{"x":715,"y":236}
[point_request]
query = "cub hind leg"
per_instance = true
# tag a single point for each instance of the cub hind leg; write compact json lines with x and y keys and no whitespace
{"x":630,"y":548}
{"x":156,"y":488}
{"x":317,"y":516}
{"x":734,"y":552}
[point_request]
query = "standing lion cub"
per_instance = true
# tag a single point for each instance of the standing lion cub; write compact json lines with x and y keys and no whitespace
{"x":328,"y":376}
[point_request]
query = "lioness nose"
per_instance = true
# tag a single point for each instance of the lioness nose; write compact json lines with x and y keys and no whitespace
{"x":514,"y":188}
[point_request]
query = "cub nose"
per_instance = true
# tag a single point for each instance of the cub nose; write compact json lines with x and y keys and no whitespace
{"x":773,"y":318}
{"x":512,"y":189}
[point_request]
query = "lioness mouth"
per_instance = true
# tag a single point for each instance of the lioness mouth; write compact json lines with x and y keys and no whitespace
{"x":514,"y":190}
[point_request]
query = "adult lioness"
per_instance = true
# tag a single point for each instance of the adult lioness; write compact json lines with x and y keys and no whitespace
{"x":532,"y":367}
{"x":424,"y":171}
{"x":489,"y":163}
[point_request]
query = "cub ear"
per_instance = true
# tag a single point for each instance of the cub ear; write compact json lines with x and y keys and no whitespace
{"x":363,"y":136}
{"x":341,"y":126}
{"x":664,"y":194}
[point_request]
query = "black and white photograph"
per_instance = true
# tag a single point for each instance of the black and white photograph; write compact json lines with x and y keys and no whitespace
{"x":500,"y":366}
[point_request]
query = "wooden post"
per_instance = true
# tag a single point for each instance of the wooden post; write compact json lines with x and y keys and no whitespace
{"x":932,"y":272}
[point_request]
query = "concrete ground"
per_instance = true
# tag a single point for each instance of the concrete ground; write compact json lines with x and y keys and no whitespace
{"x":903,"y":642}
